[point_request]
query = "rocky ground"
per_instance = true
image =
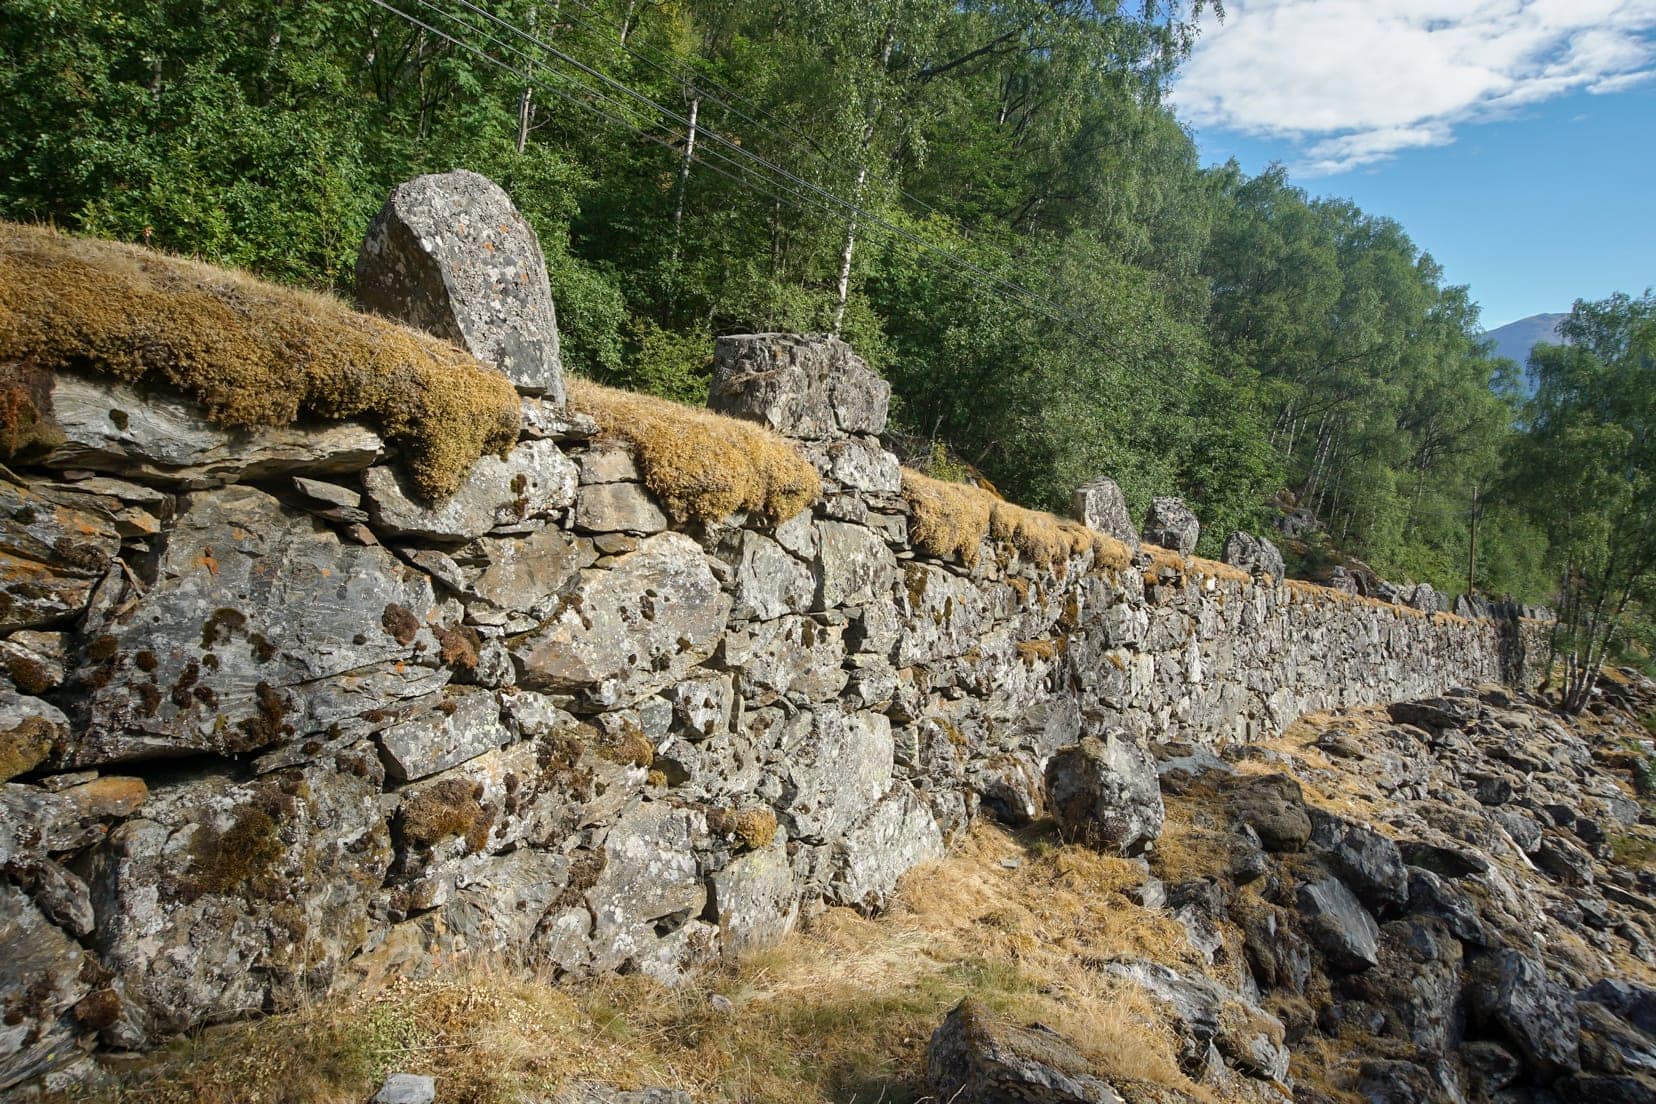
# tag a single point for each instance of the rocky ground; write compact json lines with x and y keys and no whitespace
{"x":1451,"y":899}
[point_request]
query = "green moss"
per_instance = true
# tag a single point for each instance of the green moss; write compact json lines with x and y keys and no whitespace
{"x":224,"y":861}
{"x":1637,"y":852}
{"x":251,"y":353}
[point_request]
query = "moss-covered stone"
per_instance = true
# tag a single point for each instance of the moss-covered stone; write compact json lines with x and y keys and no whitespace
{"x":251,"y":353}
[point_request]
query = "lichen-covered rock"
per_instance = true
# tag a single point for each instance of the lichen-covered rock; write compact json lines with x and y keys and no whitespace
{"x":618,"y":508}
{"x":1100,"y":506}
{"x":462,"y":726}
{"x":898,"y":834}
{"x":260,"y":628}
{"x":853,"y":566}
{"x":532,"y":482}
{"x":44,"y":978}
{"x":799,"y":386}
{"x":1104,"y":792}
{"x":29,"y":730}
{"x":450,"y":254}
{"x":631,"y":630}
{"x":1171,"y":525}
{"x":755,"y":898}
{"x":55,"y":546}
{"x":257,"y":890}
{"x":647,"y":900}
{"x":1255,"y":554}
{"x":975,"y":1059}
{"x":163,"y":437}
{"x":832,"y":770}
{"x":766,"y":581}
{"x":856,"y":463}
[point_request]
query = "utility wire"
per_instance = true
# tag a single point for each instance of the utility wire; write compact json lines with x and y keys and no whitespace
{"x":791,"y":188}
{"x":1053,"y":311}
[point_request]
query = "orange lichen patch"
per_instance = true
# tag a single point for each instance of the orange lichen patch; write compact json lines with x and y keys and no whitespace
{"x":702,"y":466}
{"x":253,"y":354}
{"x":951,"y":520}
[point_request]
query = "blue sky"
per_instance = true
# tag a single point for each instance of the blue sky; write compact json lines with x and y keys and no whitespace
{"x":1514,"y":139}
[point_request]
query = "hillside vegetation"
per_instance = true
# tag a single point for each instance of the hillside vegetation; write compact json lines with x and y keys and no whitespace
{"x":1053,"y":284}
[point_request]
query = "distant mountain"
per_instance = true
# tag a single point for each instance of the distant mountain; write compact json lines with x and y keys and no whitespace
{"x":1516,"y":339}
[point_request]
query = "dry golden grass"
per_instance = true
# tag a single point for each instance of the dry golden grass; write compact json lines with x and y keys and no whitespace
{"x":951,"y":520}
{"x":842,"y":1011}
{"x":253,"y":354}
{"x":1166,"y":559}
{"x":946,"y":520}
{"x":702,"y":466}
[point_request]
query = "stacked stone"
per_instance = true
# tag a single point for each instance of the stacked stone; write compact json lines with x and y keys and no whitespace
{"x":814,"y":390}
{"x":268,"y":713}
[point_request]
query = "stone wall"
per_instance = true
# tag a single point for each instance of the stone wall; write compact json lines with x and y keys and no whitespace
{"x":267,"y":715}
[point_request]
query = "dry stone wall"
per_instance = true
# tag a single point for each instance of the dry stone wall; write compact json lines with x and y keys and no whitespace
{"x":269,"y":717}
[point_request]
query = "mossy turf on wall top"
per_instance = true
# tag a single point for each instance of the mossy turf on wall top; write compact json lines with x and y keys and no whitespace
{"x":252,"y":353}
{"x":702,"y":466}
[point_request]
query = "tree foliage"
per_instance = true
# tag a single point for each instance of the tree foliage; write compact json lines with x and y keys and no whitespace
{"x":1053,"y":283}
{"x":1585,"y":471}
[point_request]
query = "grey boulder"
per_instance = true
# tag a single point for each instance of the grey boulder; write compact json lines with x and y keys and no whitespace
{"x":450,"y":254}
{"x":1512,"y":991}
{"x":1171,"y":525}
{"x":1254,"y":554}
{"x":1101,"y":507}
{"x":1104,"y":791}
{"x":1339,"y":924}
{"x":810,"y":386}
{"x":973,"y":1059}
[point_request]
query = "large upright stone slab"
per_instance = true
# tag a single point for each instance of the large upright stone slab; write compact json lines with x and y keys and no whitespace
{"x":451,"y":255}
{"x":1171,"y":525}
{"x":1101,"y":507}
{"x":800,"y":385}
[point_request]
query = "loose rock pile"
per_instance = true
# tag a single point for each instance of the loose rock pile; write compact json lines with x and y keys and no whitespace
{"x":1476,"y":923}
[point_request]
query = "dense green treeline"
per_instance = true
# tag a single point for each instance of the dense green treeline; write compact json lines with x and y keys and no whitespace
{"x":1124,"y":310}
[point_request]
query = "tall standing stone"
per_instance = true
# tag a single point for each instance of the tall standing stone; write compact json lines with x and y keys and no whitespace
{"x":450,"y":254}
{"x":813,"y":388}
{"x":1171,"y":525}
{"x":1101,"y":507}
{"x":807,"y":386}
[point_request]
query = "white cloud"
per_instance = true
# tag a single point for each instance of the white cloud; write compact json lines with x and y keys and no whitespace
{"x":1352,"y":82}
